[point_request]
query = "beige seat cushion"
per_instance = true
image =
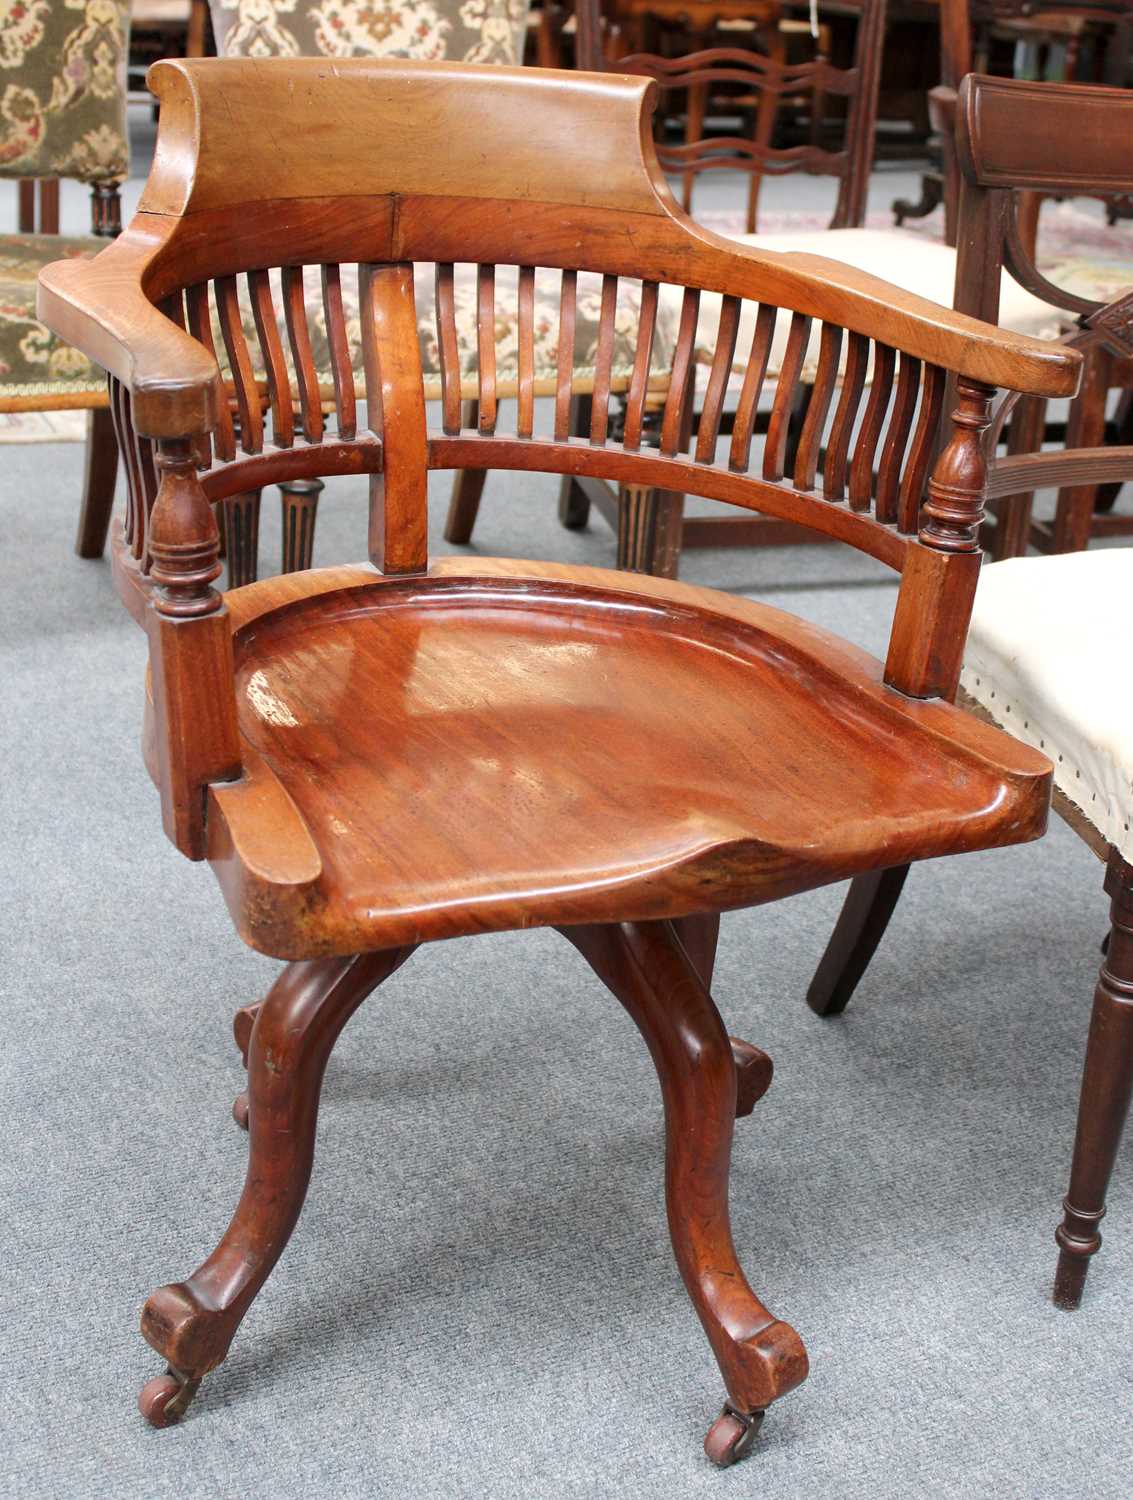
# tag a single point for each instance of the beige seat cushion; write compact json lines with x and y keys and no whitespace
{"x":37,"y":369}
{"x":1046,"y":657}
{"x":909,"y":260}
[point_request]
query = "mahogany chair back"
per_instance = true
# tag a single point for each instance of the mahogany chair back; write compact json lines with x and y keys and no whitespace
{"x":770,"y":81}
{"x":571,"y":183}
{"x":1014,"y":139}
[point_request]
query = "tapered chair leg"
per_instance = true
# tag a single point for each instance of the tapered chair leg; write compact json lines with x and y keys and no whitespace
{"x":300,"y":506}
{"x":648,"y":970}
{"x":754,"y":1069}
{"x":99,"y":480}
{"x":861,"y":925}
{"x":191,"y":1324}
{"x":242,"y":537}
{"x":467,"y":489}
{"x":1107,"y":1087}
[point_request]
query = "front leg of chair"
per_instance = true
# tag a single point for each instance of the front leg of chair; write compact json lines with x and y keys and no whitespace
{"x":869,"y":904}
{"x":299,"y":501}
{"x":754,"y":1069}
{"x":647,"y":969}
{"x":242,"y":537}
{"x":99,"y":479}
{"x":192,"y":1323}
{"x":1107,"y":1087}
{"x":467,"y":489}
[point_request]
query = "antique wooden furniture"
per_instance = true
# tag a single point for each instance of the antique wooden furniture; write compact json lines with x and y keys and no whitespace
{"x":1048,"y":634}
{"x":969,"y":31}
{"x":378,"y":756}
{"x":167,"y":28}
{"x":64,"y":116}
{"x":1092,"y":159}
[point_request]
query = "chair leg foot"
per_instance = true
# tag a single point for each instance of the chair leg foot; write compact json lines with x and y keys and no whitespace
{"x":1107,"y":1089}
{"x":192,"y":1323}
{"x":732,"y":1436}
{"x":860,"y":927}
{"x":645,"y":965}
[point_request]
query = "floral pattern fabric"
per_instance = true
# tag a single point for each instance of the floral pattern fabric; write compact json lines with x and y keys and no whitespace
{"x":479,"y":31}
{"x":63,"y":89}
{"x":34,"y":362}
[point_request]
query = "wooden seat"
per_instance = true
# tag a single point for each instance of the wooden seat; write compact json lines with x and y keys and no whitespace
{"x":685,"y":724}
{"x":370,"y":758}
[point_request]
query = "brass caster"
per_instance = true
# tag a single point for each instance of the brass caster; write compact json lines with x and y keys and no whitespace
{"x":165,"y":1399}
{"x":732,"y":1436}
{"x":240,"y":1110}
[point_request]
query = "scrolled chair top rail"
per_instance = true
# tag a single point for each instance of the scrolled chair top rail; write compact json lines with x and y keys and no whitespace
{"x":259,"y":164}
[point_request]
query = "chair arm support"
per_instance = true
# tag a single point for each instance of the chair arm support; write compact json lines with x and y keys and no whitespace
{"x":100,"y":307}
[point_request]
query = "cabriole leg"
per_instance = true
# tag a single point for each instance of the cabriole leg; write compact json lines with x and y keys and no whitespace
{"x":861,"y":925}
{"x":1107,"y":1086}
{"x":648,"y":970}
{"x":191,"y":1324}
{"x":754,"y":1069}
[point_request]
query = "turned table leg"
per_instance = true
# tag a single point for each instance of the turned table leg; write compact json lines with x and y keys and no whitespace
{"x":1107,"y":1086}
{"x":192,"y":1323}
{"x":646,"y":967}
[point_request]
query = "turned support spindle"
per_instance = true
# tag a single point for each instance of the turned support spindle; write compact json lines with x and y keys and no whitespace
{"x":190,"y":649}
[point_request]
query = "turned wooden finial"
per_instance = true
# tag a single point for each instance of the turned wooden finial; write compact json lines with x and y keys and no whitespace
{"x":184,"y":544}
{"x":954,"y":510}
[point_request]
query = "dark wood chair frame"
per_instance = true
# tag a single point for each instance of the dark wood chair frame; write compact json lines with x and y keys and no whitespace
{"x":571,"y":183}
{"x":1013,"y":137}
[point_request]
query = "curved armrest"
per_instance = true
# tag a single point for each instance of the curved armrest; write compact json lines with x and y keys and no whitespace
{"x":100,"y":307}
{"x":942,"y":102}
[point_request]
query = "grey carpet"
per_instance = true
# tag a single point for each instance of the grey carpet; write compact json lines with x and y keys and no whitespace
{"x":479,"y":1299}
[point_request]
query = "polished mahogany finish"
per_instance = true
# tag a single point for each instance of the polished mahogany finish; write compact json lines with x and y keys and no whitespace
{"x":376,"y":756}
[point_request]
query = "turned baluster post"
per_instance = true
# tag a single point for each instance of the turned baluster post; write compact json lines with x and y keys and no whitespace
{"x":190,"y":649}
{"x":938,"y":583}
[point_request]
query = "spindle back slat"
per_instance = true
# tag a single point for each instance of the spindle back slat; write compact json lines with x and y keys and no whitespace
{"x":787,"y":393}
{"x":869,"y":435}
{"x":896,"y":440}
{"x":564,"y":357}
{"x":240,"y":364}
{"x":338,"y":346}
{"x":642,"y":359}
{"x":922,"y":450}
{"x":299,"y":337}
{"x":525,"y":332}
{"x":486,"y":346}
{"x":818,"y":407}
{"x":718,"y":378}
{"x":755,"y":373}
{"x":679,"y":398}
{"x":845,"y":415}
{"x":279,"y":383}
{"x":603,"y":363}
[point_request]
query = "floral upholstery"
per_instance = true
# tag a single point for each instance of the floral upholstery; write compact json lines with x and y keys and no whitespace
{"x":480,"y":31}
{"x":36,"y":367}
{"x":546,"y":325}
{"x":63,"y":89}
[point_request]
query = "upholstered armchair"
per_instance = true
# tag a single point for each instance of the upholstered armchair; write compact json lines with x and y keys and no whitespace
{"x":64,"y":116}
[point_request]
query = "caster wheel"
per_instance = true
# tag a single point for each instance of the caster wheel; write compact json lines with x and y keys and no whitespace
{"x":732,"y":1436}
{"x":240,"y":1110}
{"x":163,"y":1400}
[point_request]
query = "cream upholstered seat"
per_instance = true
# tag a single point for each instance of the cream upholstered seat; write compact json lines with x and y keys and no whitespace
{"x":1046,"y":659}
{"x":907,"y":259}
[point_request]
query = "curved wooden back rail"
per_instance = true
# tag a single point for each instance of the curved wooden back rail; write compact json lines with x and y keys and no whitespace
{"x":554,"y":200}
{"x":771,"y":82}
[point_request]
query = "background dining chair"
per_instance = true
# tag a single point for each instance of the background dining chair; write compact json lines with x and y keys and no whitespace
{"x":1046,"y":653}
{"x":379,"y":756}
{"x":64,"y":116}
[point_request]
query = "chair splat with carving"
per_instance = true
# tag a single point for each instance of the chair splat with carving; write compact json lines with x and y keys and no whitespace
{"x":378,"y":756}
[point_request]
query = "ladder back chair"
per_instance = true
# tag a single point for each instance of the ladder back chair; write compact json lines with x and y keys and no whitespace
{"x":65,"y":116}
{"x":1047,"y":651}
{"x":379,"y":756}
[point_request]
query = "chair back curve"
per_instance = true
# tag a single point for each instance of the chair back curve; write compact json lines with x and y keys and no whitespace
{"x":558,"y":179}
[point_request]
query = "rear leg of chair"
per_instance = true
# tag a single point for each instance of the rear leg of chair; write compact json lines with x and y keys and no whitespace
{"x":646,"y":967}
{"x":192,"y":1323}
{"x":99,"y":479}
{"x":242,"y":537}
{"x":467,"y":489}
{"x":869,"y":904}
{"x":1107,"y":1087}
{"x":242,"y":1023}
{"x":754,"y":1069}
{"x":574,"y":504}
{"x":299,"y":500}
